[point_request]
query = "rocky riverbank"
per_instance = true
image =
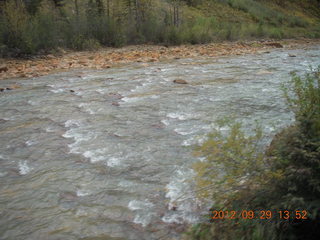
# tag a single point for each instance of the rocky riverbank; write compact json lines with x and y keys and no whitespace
{"x":110,"y":57}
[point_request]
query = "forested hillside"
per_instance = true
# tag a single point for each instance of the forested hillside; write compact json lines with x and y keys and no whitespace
{"x":33,"y":26}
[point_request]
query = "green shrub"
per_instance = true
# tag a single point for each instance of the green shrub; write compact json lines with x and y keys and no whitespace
{"x":17,"y":27}
{"x":80,"y":42}
{"x":303,"y":96}
{"x":232,"y":162}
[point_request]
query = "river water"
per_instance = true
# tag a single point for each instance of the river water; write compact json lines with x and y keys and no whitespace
{"x":108,"y":154}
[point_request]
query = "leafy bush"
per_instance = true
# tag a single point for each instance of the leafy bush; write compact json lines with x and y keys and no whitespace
{"x":80,"y":42}
{"x":304,"y":100}
{"x":17,"y":27}
{"x":231,"y":162}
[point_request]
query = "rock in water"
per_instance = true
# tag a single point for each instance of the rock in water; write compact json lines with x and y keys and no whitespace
{"x":180,"y":81}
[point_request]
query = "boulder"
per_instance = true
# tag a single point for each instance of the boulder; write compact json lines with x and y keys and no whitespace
{"x":292,"y":55}
{"x":115,"y":104}
{"x":180,"y":81}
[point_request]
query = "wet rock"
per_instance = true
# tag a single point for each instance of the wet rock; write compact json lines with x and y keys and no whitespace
{"x":115,"y":95}
{"x":274,"y":44}
{"x":158,"y":125}
{"x":72,"y":91}
{"x":2,"y":89}
{"x":68,"y":196}
{"x":3,"y":68}
{"x":180,"y":81}
{"x":115,"y":104}
{"x":292,"y":55}
{"x":9,"y":89}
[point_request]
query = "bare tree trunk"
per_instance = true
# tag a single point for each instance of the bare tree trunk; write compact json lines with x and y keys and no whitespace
{"x":137,"y":14}
{"x":108,"y":8}
{"x":76,"y":6}
{"x":178,"y":20}
{"x":174,"y":15}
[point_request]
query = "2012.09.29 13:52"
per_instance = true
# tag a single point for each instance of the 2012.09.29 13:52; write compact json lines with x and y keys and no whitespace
{"x":260,"y":214}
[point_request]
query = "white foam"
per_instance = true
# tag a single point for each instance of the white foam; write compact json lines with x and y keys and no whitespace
{"x":57,"y":90}
{"x":79,"y":138}
{"x":101,"y":91}
{"x":139,"y":87}
{"x":126,"y":183}
{"x":165,"y":122}
{"x":86,"y":108}
{"x":49,"y":129}
{"x":137,"y":205}
{"x":31,"y":142}
{"x":131,"y":99}
{"x":72,"y":134}
{"x":82,"y":193}
{"x":181,"y":197}
{"x":172,"y":218}
{"x":72,"y":122}
{"x":95,"y":155}
{"x":113,"y":161}
{"x":9,"y":118}
{"x":24,"y":168}
{"x":144,"y":220}
{"x":188,"y":142}
{"x":182,"y":116}
{"x":183,"y":132}
{"x":32,"y":103}
{"x":176,"y":116}
{"x":143,"y":209}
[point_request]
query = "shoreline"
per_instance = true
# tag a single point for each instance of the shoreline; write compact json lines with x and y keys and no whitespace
{"x":109,"y":57}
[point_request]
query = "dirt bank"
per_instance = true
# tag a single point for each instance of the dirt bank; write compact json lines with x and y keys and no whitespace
{"x":109,"y":57}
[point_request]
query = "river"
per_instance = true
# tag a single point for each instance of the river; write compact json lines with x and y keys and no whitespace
{"x":107,"y":154}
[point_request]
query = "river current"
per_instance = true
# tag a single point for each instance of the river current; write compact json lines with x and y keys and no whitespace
{"x":107,"y":154}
